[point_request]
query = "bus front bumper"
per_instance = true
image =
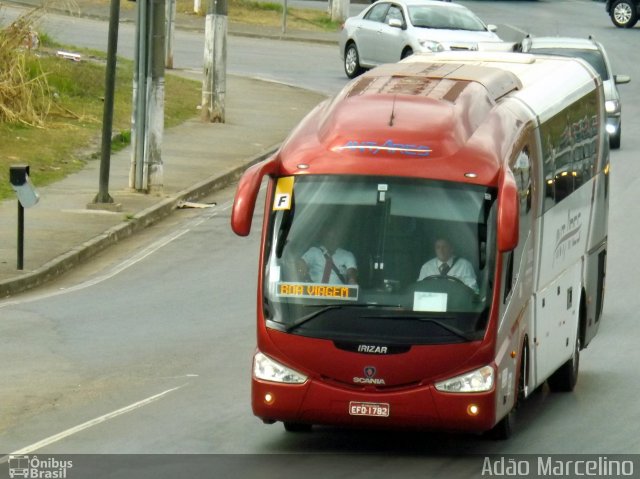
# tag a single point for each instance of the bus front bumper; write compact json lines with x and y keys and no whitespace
{"x":419,"y":407}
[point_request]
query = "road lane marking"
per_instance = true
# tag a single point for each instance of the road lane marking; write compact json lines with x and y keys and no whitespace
{"x":152,"y":248}
{"x":88,"y":424}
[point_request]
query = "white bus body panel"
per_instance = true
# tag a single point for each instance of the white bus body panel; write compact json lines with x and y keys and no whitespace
{"x":556,"y":322}
{"x":564,"y":235}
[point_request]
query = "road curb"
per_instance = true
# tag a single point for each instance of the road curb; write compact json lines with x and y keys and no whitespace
{"x":66,"y":261}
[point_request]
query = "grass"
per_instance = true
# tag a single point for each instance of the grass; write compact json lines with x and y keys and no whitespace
{"x":269,"y":14}
{"x":71,"y":134}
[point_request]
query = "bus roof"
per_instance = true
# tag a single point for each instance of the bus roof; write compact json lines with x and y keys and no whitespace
{"x":547,"y":82}
{"x":436,"y":114}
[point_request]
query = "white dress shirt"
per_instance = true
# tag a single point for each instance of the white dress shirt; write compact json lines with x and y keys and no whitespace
{"x":458,"y":268}
{"x":343,"y":259}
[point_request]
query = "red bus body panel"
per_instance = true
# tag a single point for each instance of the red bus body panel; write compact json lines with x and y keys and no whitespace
{"x":441,"y":122}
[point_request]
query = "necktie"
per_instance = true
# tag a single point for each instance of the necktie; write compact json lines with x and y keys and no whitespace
{"x":328,"y":263}
{"x":444,"y":269}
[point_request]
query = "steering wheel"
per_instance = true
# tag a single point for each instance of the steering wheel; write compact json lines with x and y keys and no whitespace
{"x":447,"y":278}
{"x":444,"y":278}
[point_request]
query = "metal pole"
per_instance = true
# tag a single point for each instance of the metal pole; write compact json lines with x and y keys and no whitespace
{"x":107,"y":117}
{"x":20,"y":235}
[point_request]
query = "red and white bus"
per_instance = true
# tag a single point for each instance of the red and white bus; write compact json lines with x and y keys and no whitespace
{"x":503,"y":154}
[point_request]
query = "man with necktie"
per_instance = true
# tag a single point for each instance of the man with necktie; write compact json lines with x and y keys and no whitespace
{"x":328,"y":263}
{"x":447,"y":264}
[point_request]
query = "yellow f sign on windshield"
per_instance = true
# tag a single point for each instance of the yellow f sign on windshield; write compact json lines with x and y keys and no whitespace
{"x":284,"y":193}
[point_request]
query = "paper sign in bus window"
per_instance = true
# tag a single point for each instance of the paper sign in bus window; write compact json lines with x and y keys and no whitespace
{"x":424,"y":301}
{"x":284,"y":193}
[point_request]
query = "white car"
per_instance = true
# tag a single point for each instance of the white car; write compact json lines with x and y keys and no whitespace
{"x":388,"y":31}
{"x":593,"y":53}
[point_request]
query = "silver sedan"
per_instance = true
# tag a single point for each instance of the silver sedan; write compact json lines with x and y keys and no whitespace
{"x":388,"y":31}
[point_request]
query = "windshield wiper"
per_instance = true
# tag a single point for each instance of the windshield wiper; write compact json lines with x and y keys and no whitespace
{"x":300,"y":321}
{"x":451,"y":329}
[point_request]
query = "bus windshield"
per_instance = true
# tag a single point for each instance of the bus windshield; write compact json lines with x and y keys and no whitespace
{"x":399,"y":260}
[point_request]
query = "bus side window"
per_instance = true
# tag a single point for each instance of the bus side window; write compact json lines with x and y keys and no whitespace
{"x":569,"y":149}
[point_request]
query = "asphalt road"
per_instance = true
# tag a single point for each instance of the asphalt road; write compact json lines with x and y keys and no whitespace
{"x":172,"y":311}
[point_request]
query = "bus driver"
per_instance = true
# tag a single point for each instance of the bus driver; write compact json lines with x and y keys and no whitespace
{"x":447,"y":264}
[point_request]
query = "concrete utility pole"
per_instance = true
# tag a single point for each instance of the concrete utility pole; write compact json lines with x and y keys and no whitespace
{"x":154,"y":165}
{"x":147,"y":122}
{"x":170,"y":29}
{"x":339,"y":10}
{"x":214,"y":85}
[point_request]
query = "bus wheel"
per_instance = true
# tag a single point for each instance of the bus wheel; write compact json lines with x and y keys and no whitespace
{"x":504,"y":428}
{"x":297,"y":427}
{"x":566,"y":377}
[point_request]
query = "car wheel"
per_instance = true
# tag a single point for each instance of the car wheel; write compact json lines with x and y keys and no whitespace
{"x":614,"y":140}
{"x":352,"y":61}
{"x":624,"y":14}
{"x":407,"y":52}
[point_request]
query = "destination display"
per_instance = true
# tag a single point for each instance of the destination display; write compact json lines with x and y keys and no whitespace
{"x":313,"y":290}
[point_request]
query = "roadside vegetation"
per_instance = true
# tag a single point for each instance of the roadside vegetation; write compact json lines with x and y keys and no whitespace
{"x":270,"y":14}
{"x":266,"y":14}
{"x":51,"y":108}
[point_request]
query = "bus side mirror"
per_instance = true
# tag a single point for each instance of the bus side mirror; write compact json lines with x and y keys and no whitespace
{"x":508,"y":214}
{"x":246,"y":194}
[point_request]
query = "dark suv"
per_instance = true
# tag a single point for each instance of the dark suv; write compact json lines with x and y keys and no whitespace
{"x":623,"y":13}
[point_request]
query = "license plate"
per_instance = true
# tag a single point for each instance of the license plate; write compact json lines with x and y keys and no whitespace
{"x":369,"y":409}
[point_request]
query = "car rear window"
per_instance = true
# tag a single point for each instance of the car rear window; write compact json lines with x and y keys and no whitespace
{"x":593,"y":57}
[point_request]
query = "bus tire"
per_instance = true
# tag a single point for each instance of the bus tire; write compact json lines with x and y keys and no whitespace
{"x":504,"y":429}
{"x":296,"y":427}
{"x":566,"y":377}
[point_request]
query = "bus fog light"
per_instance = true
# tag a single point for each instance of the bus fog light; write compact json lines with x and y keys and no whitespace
{"x":473,"y":410}
{"x":480,"y":380}
{"x":269,"y":399}
{"x":267,"y":369}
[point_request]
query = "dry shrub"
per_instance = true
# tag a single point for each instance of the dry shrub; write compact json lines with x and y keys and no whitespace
{"x":24,"y":91}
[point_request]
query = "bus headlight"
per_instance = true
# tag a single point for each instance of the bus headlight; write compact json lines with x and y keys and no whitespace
{"x":476,"y":381}
{"x":267,"y":369}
